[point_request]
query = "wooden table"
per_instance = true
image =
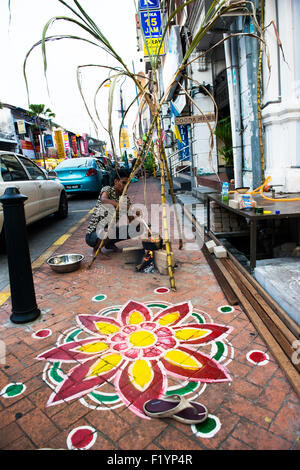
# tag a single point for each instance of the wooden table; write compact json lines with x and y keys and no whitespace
{"x":287,"y":210}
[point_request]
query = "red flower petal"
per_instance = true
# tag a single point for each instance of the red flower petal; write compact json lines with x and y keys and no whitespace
{"x":120,"y":346}
{"x":133,"y":353}
{"x":76,"y":385}
{"x":209,"y":370}
{"x":135,"y":398}
{"x":89,"y":323}
{"x":151,"y":352}
{"x":216,"y":332}
{"x":118,"y":337}
{"x":70,"y":352}
{"x":129,"y":329}
{"x":166,"y":343}
{"x":129,"y":308}
{"x":173,"y":315}
{"x":148,"y":326}
{"x":163,"y":332}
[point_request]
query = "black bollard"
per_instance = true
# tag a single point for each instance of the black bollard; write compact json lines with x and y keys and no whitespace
{"x":24,"y":307}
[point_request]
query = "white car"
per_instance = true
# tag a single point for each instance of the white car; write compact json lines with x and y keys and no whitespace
{"x":45,"y":196}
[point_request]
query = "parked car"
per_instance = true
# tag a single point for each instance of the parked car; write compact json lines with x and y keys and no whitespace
{"x":83,"y":174}
{"x":45,"y":196}
{"x":109,"y":170}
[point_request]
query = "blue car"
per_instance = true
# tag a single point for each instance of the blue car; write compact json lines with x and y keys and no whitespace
{"x":82,"y":174}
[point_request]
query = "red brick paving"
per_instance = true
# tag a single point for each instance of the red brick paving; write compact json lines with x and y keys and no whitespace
{"x":257,"y":410}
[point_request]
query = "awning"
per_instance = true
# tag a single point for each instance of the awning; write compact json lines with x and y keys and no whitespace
{"x":8,"y":141}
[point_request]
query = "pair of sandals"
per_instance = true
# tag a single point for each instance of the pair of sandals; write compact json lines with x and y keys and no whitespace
{"x":178,"y":408}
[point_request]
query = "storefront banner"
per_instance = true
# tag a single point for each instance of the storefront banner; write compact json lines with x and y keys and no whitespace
{"x":85,"y":144}
{"x":124,"y":138}
{"x":173,"y":59}
{"x":174,"y":127}
{"x":48,"y":140}
{"x":21,"y":126}
{"x":37,"y":142}
{"x":74,"y":146}
{"x":66,"y":141}
{"x":59,"y":144}
{"x":27,"y":149}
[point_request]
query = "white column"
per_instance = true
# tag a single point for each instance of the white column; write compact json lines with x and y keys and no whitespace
{"x":281,"y":116}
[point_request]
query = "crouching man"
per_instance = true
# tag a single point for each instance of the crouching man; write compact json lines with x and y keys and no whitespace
{"x":103,"y":213}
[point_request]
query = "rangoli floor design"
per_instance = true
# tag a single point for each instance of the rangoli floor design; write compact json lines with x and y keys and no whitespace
{"x":128,"y":354}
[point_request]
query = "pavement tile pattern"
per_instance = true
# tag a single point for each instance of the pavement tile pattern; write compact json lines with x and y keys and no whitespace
{"x":251,"y":404}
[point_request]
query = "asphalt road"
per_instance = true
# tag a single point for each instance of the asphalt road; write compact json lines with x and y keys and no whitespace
{"x":42,"y":234}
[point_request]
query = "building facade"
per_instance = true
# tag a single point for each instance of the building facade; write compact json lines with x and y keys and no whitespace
{"x":222,"y":81}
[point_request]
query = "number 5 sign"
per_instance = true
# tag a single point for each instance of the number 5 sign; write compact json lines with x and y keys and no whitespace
{"x":151,"y":23}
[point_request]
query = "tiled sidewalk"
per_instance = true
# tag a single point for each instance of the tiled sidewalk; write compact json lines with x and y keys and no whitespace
{"x":253,"y":407}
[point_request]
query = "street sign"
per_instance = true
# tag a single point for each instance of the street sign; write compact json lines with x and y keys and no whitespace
{"x":148,"y":4}
{"x":183,"y":146}
{"x":195,"y":119}
{"x":153,"y":45}
{"x":151,"y":23}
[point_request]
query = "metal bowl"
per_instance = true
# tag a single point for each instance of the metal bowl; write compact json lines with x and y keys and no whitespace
{"x":243,"y":190}
{"x":65,"y":263}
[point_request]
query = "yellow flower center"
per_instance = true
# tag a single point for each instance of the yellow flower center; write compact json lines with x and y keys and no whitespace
{"x":135,"y":318}
{"x":142,"y":339}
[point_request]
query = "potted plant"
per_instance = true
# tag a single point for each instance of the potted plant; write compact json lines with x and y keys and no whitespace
{"x":223,"y":131}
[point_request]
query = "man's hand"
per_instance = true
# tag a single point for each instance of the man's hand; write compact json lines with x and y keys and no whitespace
{"x":105,"y":199}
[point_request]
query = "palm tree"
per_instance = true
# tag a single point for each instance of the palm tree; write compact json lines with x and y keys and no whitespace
{"x":39,"y":112}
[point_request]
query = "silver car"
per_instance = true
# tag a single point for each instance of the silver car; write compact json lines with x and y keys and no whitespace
{"x":45,"y":196}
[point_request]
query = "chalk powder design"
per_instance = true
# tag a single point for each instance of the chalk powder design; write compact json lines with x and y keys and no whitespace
{"x":126,"y":355}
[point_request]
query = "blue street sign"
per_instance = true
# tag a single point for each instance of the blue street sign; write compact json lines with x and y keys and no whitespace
{"x":151,"y":23}
{"x":183,"y":146}
{"x":48,"y":141}
{"x":148,"y":4}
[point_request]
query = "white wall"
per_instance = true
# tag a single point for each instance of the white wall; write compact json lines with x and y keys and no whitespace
{"x":281,"y":119}
{"x":201,"y":132}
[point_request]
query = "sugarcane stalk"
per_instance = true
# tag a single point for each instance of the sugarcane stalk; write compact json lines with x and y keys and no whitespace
{"x":170,"y":181}
{"x":164,"y":213}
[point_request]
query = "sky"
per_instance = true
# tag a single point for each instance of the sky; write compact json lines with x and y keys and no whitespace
{"x":115,"y":18}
